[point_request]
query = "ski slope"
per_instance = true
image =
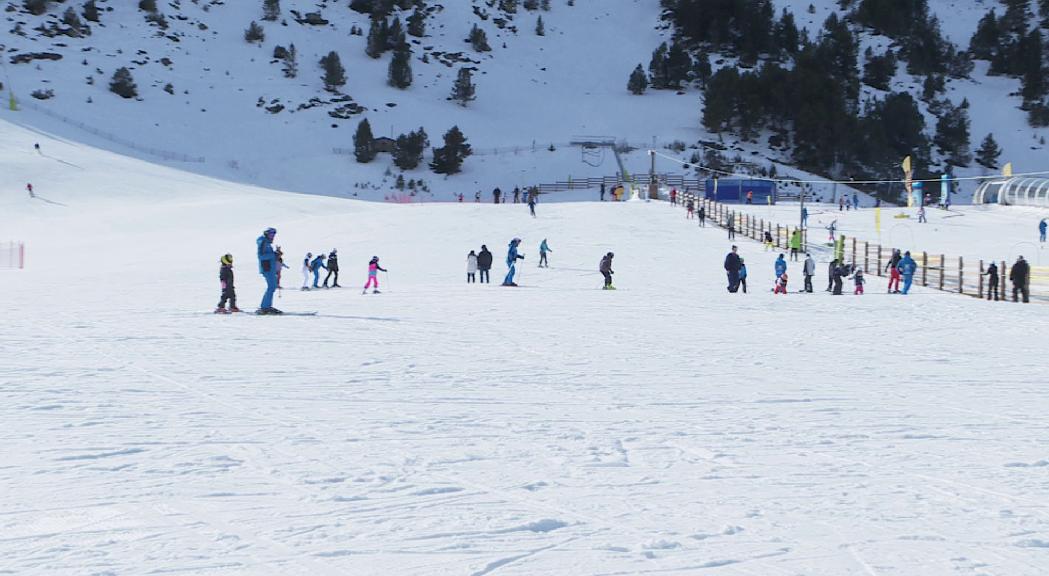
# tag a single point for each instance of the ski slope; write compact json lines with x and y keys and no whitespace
{"x":442,"y":428}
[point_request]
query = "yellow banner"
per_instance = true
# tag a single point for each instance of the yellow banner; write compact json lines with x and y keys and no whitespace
{"x":877,"y":219}
{"x":907,"y":174}
{"x":1007,"y":170}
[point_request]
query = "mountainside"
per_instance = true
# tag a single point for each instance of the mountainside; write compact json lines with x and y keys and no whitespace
{"x":222,"y":105}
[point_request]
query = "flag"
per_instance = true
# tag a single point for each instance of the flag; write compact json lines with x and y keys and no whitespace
{"x":877,"y":219}
{"x":907,"y":173}
{"x":1007,"y":170}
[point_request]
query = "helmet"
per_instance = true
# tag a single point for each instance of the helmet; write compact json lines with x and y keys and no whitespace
{"x":375,"y":257}
{"x":227,"y":259}
{"x":610,"y":255}
{"x":309,"y":254}
{"x":270,"y":232}
{"x":334,"y":251}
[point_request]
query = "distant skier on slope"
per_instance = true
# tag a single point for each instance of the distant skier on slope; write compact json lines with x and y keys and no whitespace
{"x":306,"y":271}
{"x":702,"y":215}
{"x":1020,"y":275}
{"x":268,"y":269}
{"x":373,"y":275}
{"x":511,"y":260}
{"x":907,"y":267}
{"x":795,"y":245}
{"x":1041,"y":230}
{"x":226,"y":282}
{"x":858,"y":281}
{"x":484,"y":264}
{"x":531,"y":203}
{"x":605,"y":267}
{"x":280,"y":265}
{"x":333,"y":269}
{"x":315,"y":268}
{"x":893,"y":267}
{"x":543,"y":249}
{"x":29,"y":187}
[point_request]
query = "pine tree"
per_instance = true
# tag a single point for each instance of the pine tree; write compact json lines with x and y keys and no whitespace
{"x":70,"y":18}
{"x":544,"y":5}
{"x":409,"y":150}
{"x":540,"y":30}
{"x":254,"y":33}
{"x":530,"y":5}
{"x":395,"y":35}
{"x":449,"y":158}
{"x":364,"y":142}
{"x":952,"y":134}
{"x":638,"y":81}
{"x":1034,"y":84}
{"x":417,"y":22}
{"x":479,"y":40}
{"x":291,"y":64}
{"x":123,"y":84}
{"x":147,"y":5}
{"x":657,"y":68}
{"x":987,"y":155}
{"x":270,"y":10}
{"x":400,"y":71}
{"x":508,"y":6}
{"x":376,"y":43}
{"x":334,"y":73}
{"x":90,"y":11}
{"x":463,"y":90}
{"x":678,"y":65}
{"x":35,"y":7}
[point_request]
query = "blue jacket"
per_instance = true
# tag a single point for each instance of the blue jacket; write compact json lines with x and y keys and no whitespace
{"x":318,"y":263}
{"x":907,"y":266}
{"x":743,"y":271}
{"x":267,"y":257}
{"x":544,"y":248}
{"x":511,"y":254}
{"x":781,"y":266}
{"x":1041,"y":226}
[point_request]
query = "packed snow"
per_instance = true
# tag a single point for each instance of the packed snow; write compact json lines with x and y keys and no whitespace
{"x":447,"y":428}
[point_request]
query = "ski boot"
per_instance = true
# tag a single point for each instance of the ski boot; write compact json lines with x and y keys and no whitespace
{"x":376,"y":292}
{"x":221,"y":310}
{"x":234,"y":309}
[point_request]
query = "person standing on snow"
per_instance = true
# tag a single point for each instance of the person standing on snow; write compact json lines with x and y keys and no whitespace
{"x":781,"y":266}
{"x":477,"y":197}
{"x":767,"y":241}
{"x":602,"y":191}
{"x":268,"y":268}
{"x":907,"y":268}
{"x":543,"y":249}
{"x":605,"y":267}
{"x":992,"y":281}
{"x":315,"y":268}
{"x":373,"y":275}
{"x":29,"y":187}
{"x":517,"y":194}
{"x":691,"y":206}
{"x":673,"y":196}
{"x":1041,"y":230}
{"x":732,"y":265}
{"x":804,"y":217}
{"x":809,"y":271}
{"x":702,"y":215}
{"x":495,"y":194}
{"x":226,"y":281}
{"x":306,"y":271}
{"x":333,"y":269}
{"x":830,"y":274}
{"x":1019,"y":276}
{"x":921,"y":215}
{"x":484,"y":264}
{"x":893,"y":267}
{"x":731,"y":226}
{"x":531,"y":203}
{"x":280,"y":265}
{"x":795,"y":245}
{"x":743,"y":275}
{"x":511,"y":262}
{"x":858,"y":281}
{"x":471,"y":267}
{"x":839,"y":273}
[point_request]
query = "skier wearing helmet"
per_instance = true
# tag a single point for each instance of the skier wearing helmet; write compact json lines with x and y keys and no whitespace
{"x":268,"y":269}
{"x":226,"y":281}
{"x":373,"y":275}
{"x":511,"y":259}
{"x":606,"y":270}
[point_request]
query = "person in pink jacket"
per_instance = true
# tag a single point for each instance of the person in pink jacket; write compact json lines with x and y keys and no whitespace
{"x":373,"y":275}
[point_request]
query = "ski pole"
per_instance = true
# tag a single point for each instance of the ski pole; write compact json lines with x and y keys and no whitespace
{"x":386,"y":273}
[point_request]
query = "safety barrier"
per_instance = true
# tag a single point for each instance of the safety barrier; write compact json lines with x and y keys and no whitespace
{"x":12,"y":255}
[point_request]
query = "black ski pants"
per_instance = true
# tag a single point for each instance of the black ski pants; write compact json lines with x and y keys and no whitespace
{"x":230,"y":294}
{"x":608,"y":278}
{"x":837,"y":286}
{"x":992,"y":288}
{"x":484,"y":276}
{"x":1021,"y":289}
{"x":808,"y":283}
{"x":471,"y":277}
{"x":332,"y":271}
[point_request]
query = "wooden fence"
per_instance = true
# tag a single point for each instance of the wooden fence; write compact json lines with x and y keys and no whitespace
{"x":938,"y":271}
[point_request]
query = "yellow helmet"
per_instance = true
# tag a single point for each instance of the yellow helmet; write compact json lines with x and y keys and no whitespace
{"x":227,"y":259}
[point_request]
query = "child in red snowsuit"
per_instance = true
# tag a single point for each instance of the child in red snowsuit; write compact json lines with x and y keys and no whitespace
{"x":781,"y":284}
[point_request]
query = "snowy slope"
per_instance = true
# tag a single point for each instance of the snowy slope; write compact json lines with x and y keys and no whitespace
{"x":441,"y":428}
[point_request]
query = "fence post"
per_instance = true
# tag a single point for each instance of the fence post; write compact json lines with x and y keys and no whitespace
{"x":943,"y":268}
{"x":980,"y":281}
{"x":879,"y":260}
{"x":1002,"y":275}
{"x":961,"y":276}
{"x":866,"y":257}
{"x":777,"y":235}
{"x":925,"y":268}
{"x":853,"y":250}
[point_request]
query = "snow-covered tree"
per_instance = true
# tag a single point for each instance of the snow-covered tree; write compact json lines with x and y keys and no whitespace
{"x":90,"y":11}
{"x":449,"y":158}
{"x":123,"y":84}
{"x":364,"y":142}
{"x":479,"y":40}
{"x":334,"y":73}
{"x":270,"y":10}
{"x":464,"y":90}
{"x":400,"y":72}
{"x":987,"y":155}
{"x":540,"y":29}
{"x":254,"y":33}
{"x":638,"y":81}
{"x":417,"y":22}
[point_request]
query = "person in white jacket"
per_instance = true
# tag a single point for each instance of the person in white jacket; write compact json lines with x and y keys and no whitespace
{"x":471,"y":267}
{"x":810,"y":271}
{"x":306,"y":271}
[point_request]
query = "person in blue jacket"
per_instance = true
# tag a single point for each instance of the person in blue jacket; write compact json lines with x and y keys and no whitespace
{"x":781,"y":266}
{"x":907,"y":268}
{"x":804,"y":217}
{"x":511,"y":260}
{"x":1041,"y":230}
{"x":315,"y":267}
{"x":543,"y":249}
{"x":268,"y":267}
{"x":743,"y":275}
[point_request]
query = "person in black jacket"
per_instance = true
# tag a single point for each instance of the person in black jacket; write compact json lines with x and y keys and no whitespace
{"x":840,"y":272}
{"x":992,"y":281}
{"x":484,"y":264}
{"x":732,"y":265}
{"x":1019,"y":276}
{"x":226,"y":280}
{"x":830,"y":274}
{"x":333,"y":269}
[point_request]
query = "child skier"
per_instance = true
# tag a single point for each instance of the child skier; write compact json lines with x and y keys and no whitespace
{"x":280,"y":265}
{"x":768,"y":241}
{"x":306,"y":271}
{"x":781,"y":284}
{"x":373,"y":276}
{"x":226,"y":281}
{"x":471,"y":267}
{"x":743,"y":275}
{"x":857,"y":278}
{"x":315,"y":267}
{"x":543,"y":249}
{"x":605,"y":267}
{"x":691,"y":210}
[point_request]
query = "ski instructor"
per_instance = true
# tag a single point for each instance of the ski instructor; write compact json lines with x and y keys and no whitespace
{"x":511,"y":259}
{"x":268,"y":268}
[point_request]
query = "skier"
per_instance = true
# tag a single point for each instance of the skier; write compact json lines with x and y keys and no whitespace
{"x":226,"y":281}
{"x":893,"y":268}
{"x":460,"y":197}
{"x":1019,"y":276}
{"x":268,"y":269}
{"x":795,"y":245}
{"x":495,"y":194}
{"x":832,"y":229}
{"x":280,"y":265}
{"x":1041,"y":230}
{"x":907,"y":267}
{"x":333,"y":269}
{"x":471,"y":267}
{"x":602,"y":191}
{"x":373,"y":275}
{"x":841,"y":204}
{"x":809,"y":270}
{"x":731,"y":227}
{"x":29,"y":187}
{"x":606,"y":270}
{"x":702,"y":215}
{"x":992,"y":281}
{"x":306,"y":271}
{"x":315,"y":267}
{"x":768,"y":241}
{"x":691,"y":206}
{"x":830,"y":274}
{"x":732,"y":265}
{"x":855,"y":201}
{"x":743,"y":275}
{"x":484,"y":264}
{"x":511,"y":260}
{"x":517,"y":194}
{"x":837,"y":276}
{"x":673,"y":196}
{"x":804,"y":217}
{"x":531,"y":204}
{"x":37,"y":147}
{"x":921,"y":215}
{"x":858,"y":281}
{"x":543,"y":249}
{"x":781,"y":266}
{"x":477,"y":197}
{"x":781,"y":284}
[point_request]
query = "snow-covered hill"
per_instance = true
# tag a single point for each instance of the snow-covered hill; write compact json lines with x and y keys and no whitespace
{"x":532,"y":91}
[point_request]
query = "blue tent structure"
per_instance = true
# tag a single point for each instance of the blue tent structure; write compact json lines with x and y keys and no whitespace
{"x":724,"y":190}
